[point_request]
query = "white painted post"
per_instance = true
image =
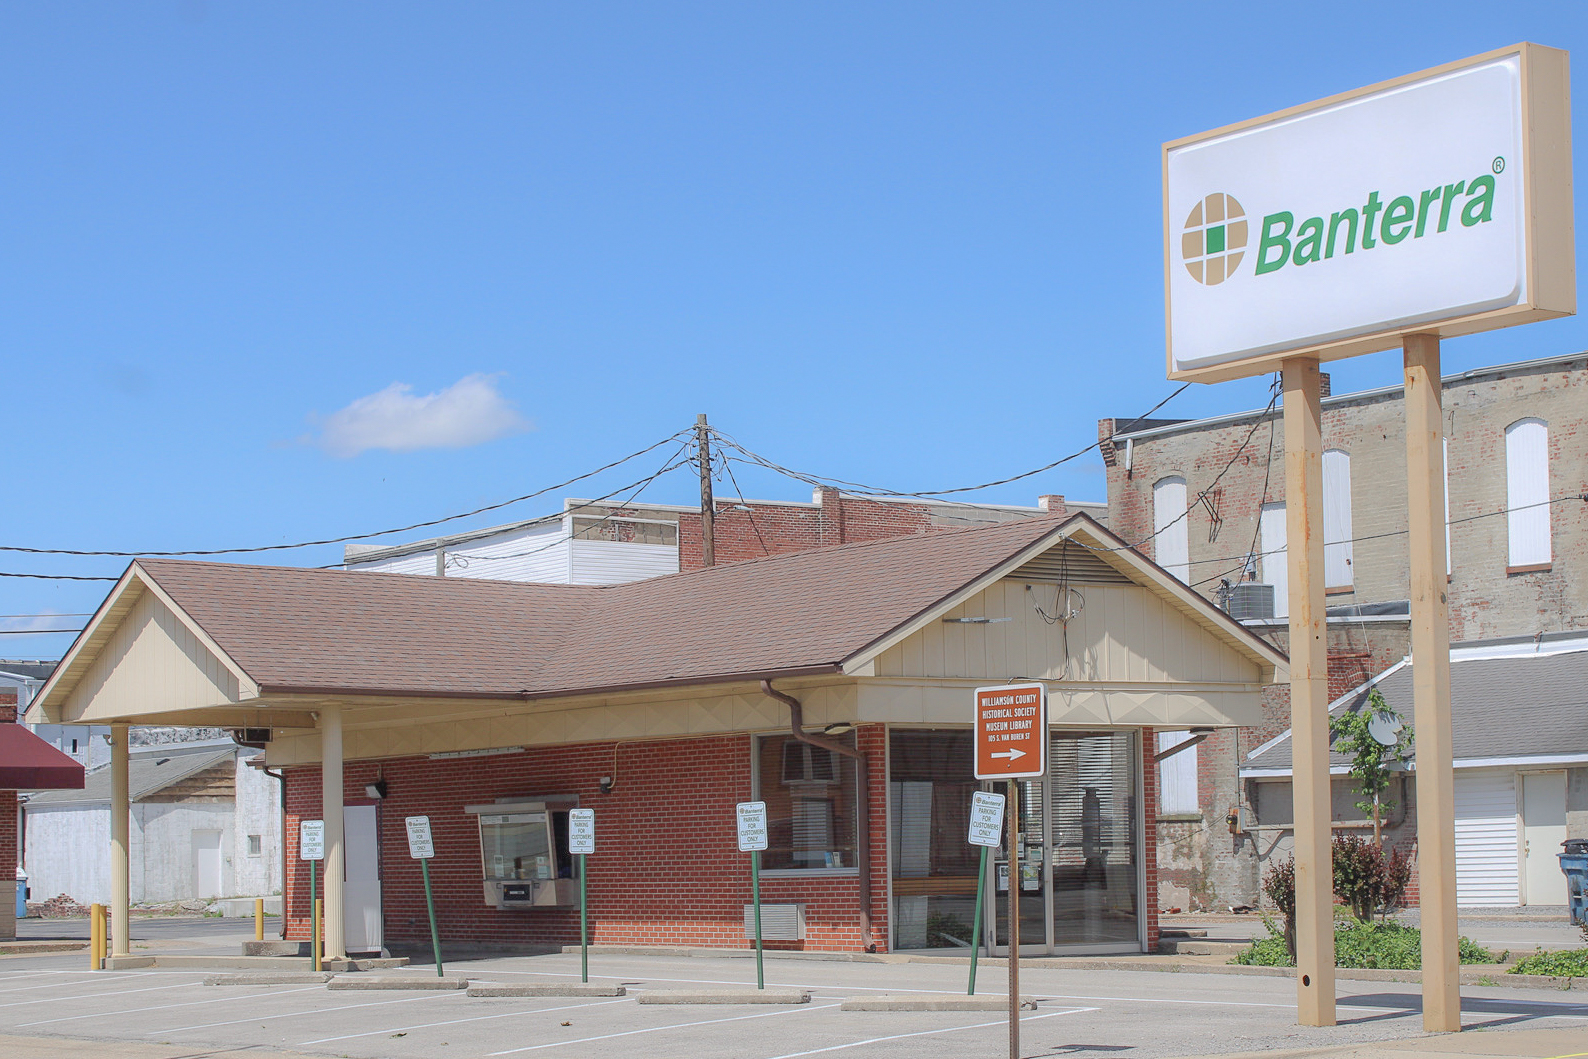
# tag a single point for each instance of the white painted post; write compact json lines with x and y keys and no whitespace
{"x":331,"y":812}
{"x":120,"y":828}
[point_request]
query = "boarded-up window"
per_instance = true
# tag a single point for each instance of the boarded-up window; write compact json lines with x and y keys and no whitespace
{"x":1177,"y":776}
{"x":1336,"y":519}
{"x":1171,"y":537}
{"x":1527,"y":492}
{"x":1271,"y":527}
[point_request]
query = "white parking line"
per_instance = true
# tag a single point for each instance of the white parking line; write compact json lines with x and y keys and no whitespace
{"x":929,"y":1033}
{"x":454,"y":1022}
{"x":162,"y":1007}
{"x":98,"y":976}
{"x":90,"y":996}
{"x":303,"y":1014}
{"x":675,"y":1026}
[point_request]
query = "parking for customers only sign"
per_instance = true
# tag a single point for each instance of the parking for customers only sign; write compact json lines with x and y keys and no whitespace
{"x":1011,"y":731}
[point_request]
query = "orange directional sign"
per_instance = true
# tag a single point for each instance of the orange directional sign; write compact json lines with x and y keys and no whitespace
{"x":1011,"y":731}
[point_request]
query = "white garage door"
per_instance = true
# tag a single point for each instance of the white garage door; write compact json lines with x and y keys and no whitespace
{"x":1486,"y":839}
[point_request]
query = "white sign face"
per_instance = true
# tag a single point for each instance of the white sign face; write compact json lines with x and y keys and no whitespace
{"x":1350,"y":224}
{"x":311,"y":839}
{"x":986,"y":818}
{"x":581,"y":831}
{"x":420,"y":847}
{"x":752,"y":826}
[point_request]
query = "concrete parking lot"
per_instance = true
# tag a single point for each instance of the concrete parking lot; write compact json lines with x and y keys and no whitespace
{"x":53,"y":1002}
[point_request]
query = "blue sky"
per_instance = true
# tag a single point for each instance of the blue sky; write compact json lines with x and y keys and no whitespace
{"x":916,"y":245}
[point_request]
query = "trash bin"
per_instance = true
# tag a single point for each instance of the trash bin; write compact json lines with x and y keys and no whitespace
{"x":22,"y":894}
{"x":1574,"y":862}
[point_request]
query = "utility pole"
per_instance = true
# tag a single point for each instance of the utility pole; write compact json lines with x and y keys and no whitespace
{"x":708,"y":510}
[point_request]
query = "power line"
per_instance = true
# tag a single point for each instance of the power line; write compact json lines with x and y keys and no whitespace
{"x":868,"y":490}
{"x":328,"y":540}
{"x":33,"y":632}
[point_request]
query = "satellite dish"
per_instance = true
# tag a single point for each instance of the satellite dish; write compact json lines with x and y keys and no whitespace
{"x":1385,"y":728}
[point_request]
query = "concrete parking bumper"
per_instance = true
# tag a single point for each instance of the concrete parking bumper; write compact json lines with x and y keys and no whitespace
{"x":491,"y":989}
{"x":725,"y":996}
{"x":932,"y":1002}
{"x":393,"y":981}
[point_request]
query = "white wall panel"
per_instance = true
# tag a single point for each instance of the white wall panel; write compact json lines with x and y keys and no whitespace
{"x":1486,"y":865}
{"x":1171,"y":527}
{"x":1275,"y":571}
{"x":1336,"y":519}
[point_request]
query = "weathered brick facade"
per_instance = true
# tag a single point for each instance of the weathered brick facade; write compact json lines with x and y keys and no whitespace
{"x":754,"y":528}
{"x":1203,"y":864}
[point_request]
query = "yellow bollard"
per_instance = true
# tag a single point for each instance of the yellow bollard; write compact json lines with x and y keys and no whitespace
{"x":96,"y":937}
{"x":314,"y":934}
{"x":259,"y":919}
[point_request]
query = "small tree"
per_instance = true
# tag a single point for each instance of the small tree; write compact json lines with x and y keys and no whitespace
{"x":1366,"y":879}
{"x":1371,"y":761}
{"x":1280,"y":887}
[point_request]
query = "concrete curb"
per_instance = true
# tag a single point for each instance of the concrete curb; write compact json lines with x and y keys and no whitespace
{"x":725,"y":996}
{"x":22,"y":947}
{"x":396,"y":982}
{"x":546,"y":990}
{"x":932,"y":1002}
{"x":269,"y":978}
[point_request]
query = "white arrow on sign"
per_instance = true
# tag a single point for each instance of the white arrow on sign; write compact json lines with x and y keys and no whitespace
{"x":1012,"y":754}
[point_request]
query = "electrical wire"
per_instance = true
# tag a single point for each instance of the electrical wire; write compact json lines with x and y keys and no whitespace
{"x":868,"y":490}
{"x":672,"y":464}
{"x":747,"y":508}
{"x":333,"y":540}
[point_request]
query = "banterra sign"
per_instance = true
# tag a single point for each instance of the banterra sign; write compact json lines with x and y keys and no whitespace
{"x":1335,"y":228}
{"x":1214,"y":243}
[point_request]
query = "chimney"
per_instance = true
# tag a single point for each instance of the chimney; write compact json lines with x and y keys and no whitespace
{"x":1051,"y":503}
{"x":1325,"y":387}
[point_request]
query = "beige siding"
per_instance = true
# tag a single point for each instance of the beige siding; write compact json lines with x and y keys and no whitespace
{"x":151,"y":663}
{"x":1122,"y":634}
{"x":1166,"y":706}
{"x":369,"y":734}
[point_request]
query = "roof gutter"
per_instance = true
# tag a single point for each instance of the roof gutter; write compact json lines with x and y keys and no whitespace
{"x":796,"y":714}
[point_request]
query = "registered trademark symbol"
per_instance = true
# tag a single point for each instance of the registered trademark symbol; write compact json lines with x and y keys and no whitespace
{"x":1499,"y":164}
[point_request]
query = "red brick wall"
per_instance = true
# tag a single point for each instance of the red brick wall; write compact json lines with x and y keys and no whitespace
{"x":667,"y":869}
{"x":1149,"y":836}
{"x":8,"y":833}
{"x":771,"y":529}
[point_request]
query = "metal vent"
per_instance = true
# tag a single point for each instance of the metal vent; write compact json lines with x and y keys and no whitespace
{"x":1072,"y":563}
{"x":778,"y":922}
{"x":1251,"y":600}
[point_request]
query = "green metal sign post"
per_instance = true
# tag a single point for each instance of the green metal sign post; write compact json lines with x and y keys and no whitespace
{"x":311,"y":847}
{"x":752,"y":840}
{"x":421,"y":848}
{"x":581,"y":842}
{"x":986,"y":827}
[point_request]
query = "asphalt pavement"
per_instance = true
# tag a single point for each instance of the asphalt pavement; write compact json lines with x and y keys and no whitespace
{"x":52,"y":1006}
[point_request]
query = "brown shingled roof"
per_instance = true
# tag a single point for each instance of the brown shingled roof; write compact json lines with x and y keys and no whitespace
{"x":293,"y":629}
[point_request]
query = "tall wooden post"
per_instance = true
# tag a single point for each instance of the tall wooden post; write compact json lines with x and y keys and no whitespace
{"x":331,"y":811}
{"x":708,"y":507}
{"x":1309,"y":693}
{"x":120,"y":838}
{"x":1436,"y":825}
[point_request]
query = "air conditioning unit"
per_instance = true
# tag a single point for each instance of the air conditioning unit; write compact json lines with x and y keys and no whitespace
{"x":1251,"y":600}
{"x":778,"y":922}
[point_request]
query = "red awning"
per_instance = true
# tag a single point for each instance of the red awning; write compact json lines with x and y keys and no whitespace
{"x":28,"y":763}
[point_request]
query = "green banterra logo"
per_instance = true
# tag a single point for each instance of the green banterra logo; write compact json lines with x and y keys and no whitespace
{"x":1214,"y":240}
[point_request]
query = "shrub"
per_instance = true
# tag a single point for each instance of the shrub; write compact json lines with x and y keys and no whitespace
{"x":1570,"y":963}
{"x":1387,"y":946}
{"x":1365,"y":879}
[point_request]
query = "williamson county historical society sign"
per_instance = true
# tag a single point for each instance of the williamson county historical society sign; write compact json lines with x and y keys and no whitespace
{"x":1435,"y":203}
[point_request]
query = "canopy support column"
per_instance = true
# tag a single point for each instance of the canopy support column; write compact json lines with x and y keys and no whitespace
{"x":120,"y":828}
{"x":331,"y":812}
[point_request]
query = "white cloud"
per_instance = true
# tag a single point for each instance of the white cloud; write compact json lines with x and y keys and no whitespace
{"x":469,"y":412}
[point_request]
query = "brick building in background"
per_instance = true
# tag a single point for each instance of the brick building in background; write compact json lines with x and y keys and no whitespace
{"x":1517,"y":459}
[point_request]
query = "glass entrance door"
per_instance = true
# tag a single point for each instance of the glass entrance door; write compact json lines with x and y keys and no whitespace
{"x":1079,"y":867}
